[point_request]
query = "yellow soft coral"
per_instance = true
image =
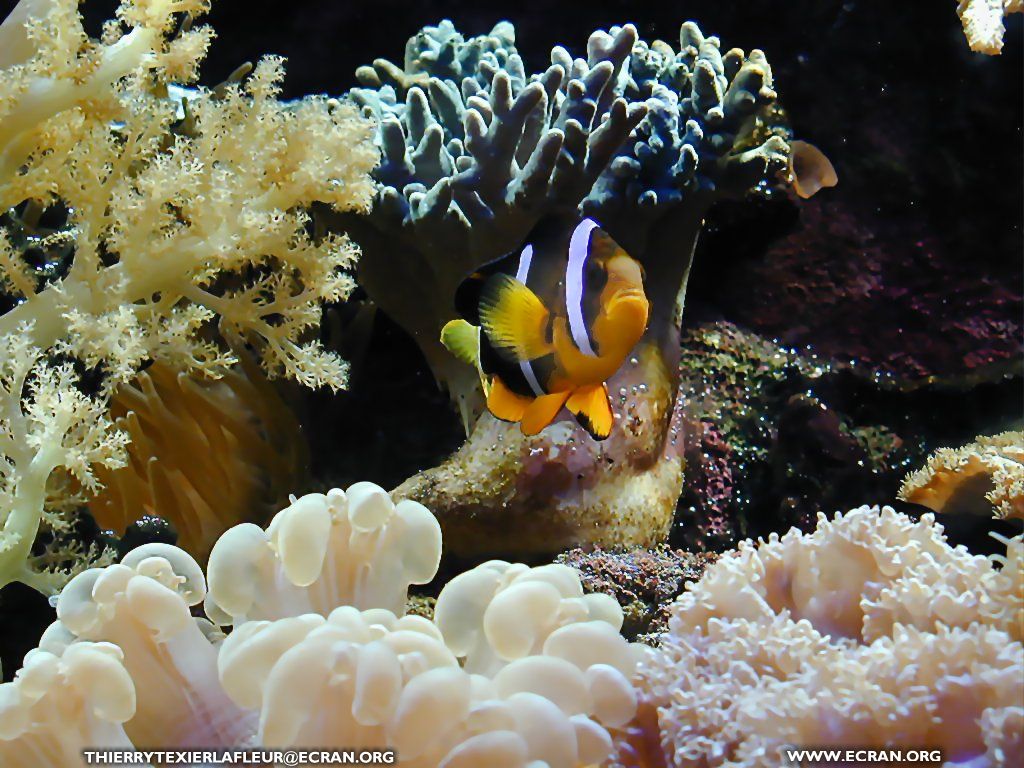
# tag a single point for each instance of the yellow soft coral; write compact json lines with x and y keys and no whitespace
{"x":983,"y":22}
{"x":182,"y":218}
{"x":52,"y":436}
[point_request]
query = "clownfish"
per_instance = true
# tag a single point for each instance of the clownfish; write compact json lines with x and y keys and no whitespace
{"x":547,"y":326}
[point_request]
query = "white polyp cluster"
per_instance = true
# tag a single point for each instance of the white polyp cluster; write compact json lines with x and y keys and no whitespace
{"x":65,"y":699}
{"x":369,"y":678}
{"x":354,"y":548}
{"x":499,"y":612}
{"x":857,"y":576}
{"x":142,"y":606}
{"x":871,"y":629}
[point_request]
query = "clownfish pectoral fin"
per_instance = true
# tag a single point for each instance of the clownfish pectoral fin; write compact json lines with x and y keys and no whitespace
{"x":514,"y":319}
{"x":593,"y":410}
{"x":462,"y":340}
{"x":541,"y":412}
{"x":505,"y":404}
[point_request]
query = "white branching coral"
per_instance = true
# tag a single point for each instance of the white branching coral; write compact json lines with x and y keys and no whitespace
{"x":857,"y":576}
{"x":52,"y":436}
{"x":177,"y":219}
{"x":520,"y":669}
{"x":871,"y":630}
{"x":983,"y":22}
{"x":983,"y":477}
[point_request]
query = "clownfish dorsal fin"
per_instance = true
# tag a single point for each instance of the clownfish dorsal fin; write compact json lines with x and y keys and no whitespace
{"x":514,"y":319}
{"x":467,"y":295}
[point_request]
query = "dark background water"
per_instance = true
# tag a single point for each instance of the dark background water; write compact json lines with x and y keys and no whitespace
{"x":911,"y":268}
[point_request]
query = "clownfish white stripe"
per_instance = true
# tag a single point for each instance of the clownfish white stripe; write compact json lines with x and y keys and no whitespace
{"x":579,"y":247}
{"x":525,"y":258}
{"x":531,"y":378}
{"x":522,"y":274}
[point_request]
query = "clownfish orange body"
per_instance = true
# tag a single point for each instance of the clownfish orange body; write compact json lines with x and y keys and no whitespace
{"x":547,"y":326}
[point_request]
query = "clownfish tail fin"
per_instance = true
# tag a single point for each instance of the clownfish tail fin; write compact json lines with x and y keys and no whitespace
{"x":515,"y":320}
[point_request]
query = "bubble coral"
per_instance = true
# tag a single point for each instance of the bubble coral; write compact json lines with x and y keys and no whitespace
{"x":983,"y":477}
{"x":177,"y":217}
{"x":518,"y":668}
{"x":870,"y":630}
{"x":151,"y":666}
{"x":324,"y":550}
{"x":370,"y":678}
{"x":64,"y":700}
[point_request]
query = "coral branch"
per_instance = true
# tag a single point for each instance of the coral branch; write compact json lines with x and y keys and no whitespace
{"x":983,"y":22}
{"x":183,"y":219}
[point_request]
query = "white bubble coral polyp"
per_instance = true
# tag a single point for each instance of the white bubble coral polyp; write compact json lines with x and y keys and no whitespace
{"x":322,"y":551}
{"x":64,"y":701}
{"x":365,"y":679}
{"x":520,"y":668}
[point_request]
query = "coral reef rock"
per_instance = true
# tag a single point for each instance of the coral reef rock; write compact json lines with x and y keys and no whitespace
{"x":644,"y":581}
{"x":934,"y":316}
{"x":773,"y":436}
{"x":503,"y":493}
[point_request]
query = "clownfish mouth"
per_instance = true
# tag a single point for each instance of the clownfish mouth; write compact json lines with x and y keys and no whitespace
{"x":626,"y":296}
